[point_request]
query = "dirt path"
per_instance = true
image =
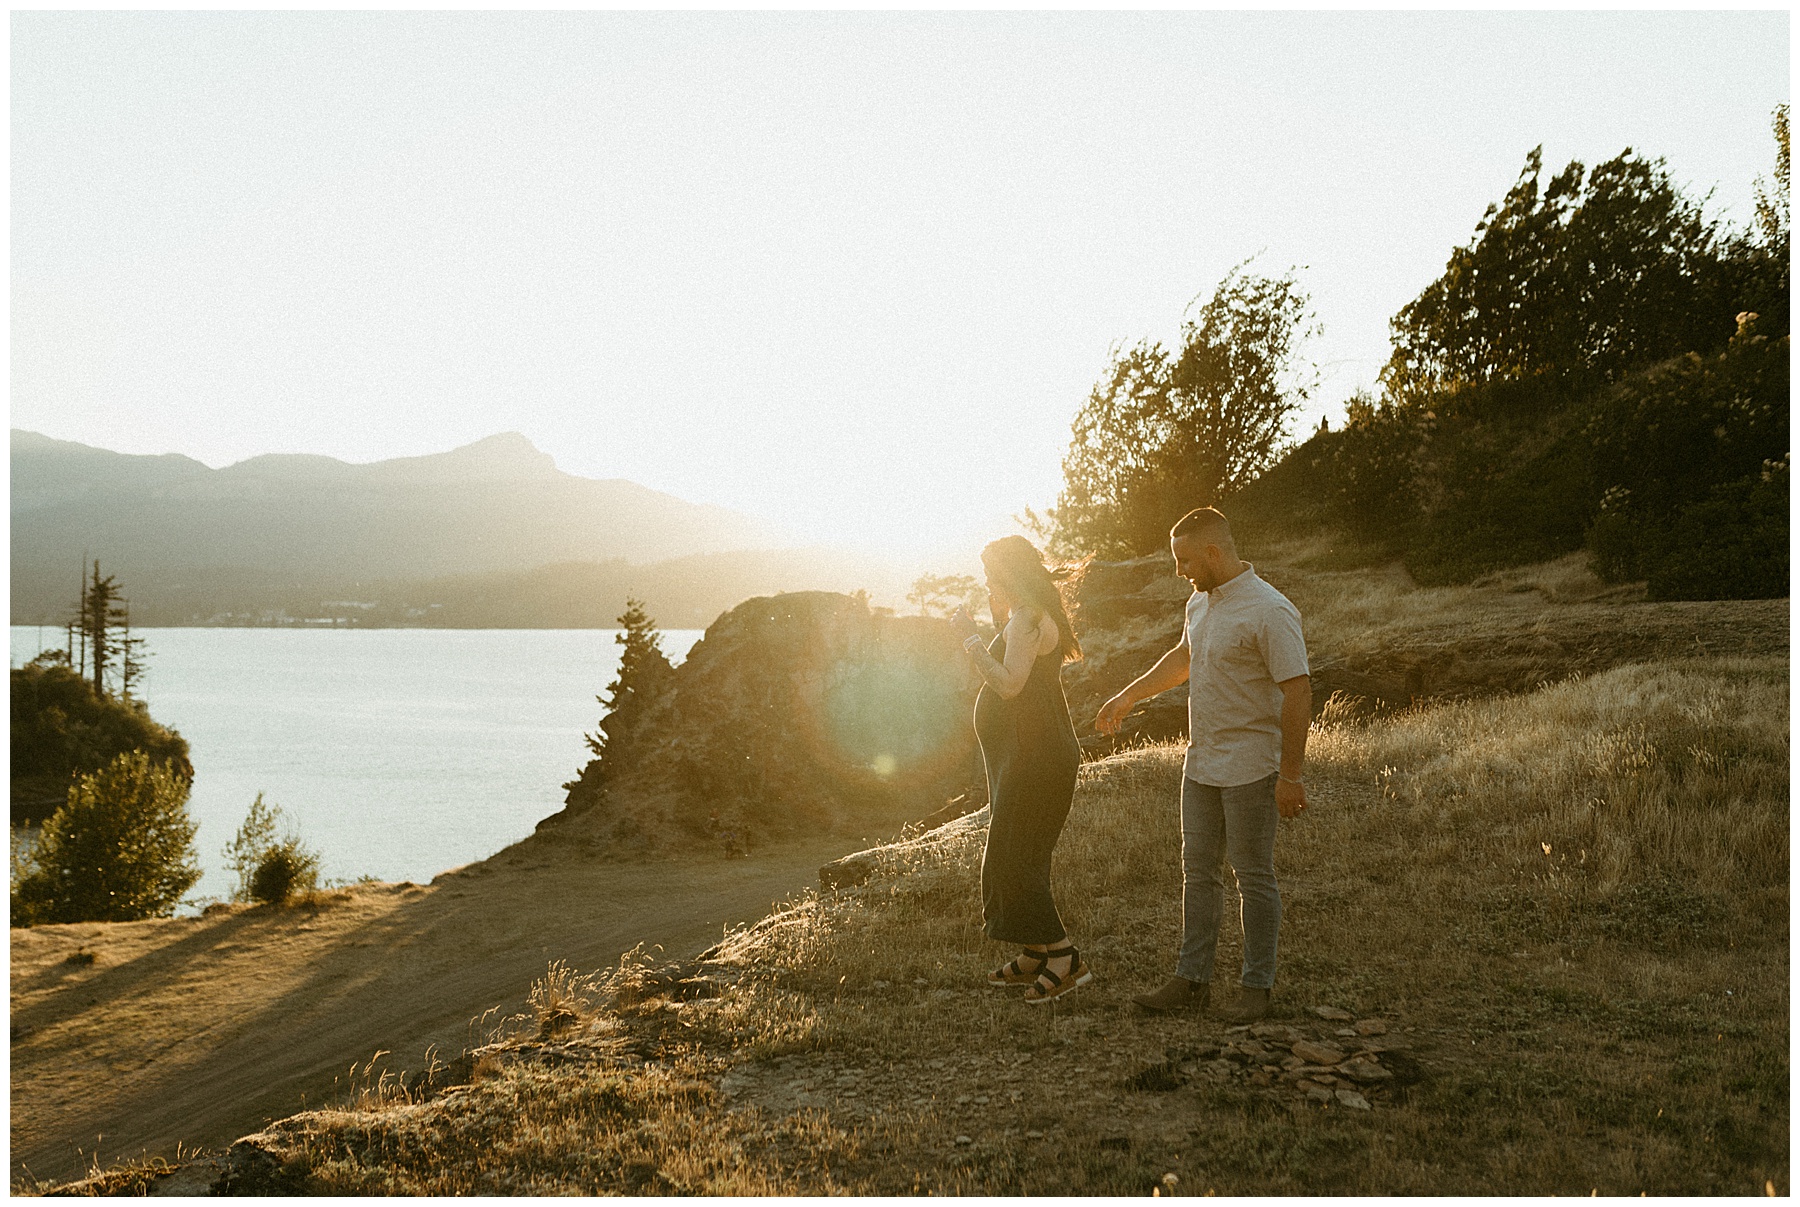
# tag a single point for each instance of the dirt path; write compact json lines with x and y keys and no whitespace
{"x":199,"y":1030}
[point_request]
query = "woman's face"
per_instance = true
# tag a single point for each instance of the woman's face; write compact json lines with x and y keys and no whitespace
{"x":998,"y":598}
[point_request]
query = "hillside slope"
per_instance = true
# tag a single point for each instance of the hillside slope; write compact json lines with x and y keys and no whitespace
{"x":196,"y":1030}
{"x":1530,"y":945}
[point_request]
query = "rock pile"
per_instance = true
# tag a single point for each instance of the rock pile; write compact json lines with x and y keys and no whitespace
{"x":1340,"y":1060}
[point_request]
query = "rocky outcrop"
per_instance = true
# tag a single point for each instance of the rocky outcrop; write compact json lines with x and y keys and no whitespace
{"x":794,"y":712}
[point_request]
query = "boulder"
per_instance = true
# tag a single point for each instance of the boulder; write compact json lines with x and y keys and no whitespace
{"x":1363,"y":1069}
{"x":795,"y":712}
{"x":1318,"y":1054}
{"x":855,"y":869}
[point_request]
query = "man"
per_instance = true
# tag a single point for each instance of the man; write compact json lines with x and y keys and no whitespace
{"x":1249,"y":705}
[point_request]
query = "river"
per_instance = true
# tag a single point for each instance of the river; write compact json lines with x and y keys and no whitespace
{"x":395,"y":753}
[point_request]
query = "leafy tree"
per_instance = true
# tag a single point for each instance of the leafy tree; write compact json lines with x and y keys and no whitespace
{"x":1759,"y":259}
{"x":1162,"y":433}
{"x":1573,"y":378}
{"x":1772,"y":204}
{"x":62,"y":728}
{"x":1591,"y":275}
{"x":941,"y":594}
{"x":120,"y":849}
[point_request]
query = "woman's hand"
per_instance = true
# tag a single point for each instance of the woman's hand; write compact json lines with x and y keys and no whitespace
{"x":964,"y":624}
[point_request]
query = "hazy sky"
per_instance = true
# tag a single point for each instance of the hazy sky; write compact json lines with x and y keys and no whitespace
{"x":853,"y":271}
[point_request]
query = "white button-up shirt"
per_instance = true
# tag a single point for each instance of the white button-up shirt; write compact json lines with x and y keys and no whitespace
{"x":1243,"y":639}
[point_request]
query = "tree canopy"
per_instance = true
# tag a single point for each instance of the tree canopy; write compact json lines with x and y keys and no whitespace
{"x":1601,"y":366}
{"x":121,"y":848}
{"x":1162,"y":433}
{"x":1595,"y":273}
{"x":62,"y":728}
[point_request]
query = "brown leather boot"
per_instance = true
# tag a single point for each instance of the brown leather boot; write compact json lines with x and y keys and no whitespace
{"x":1178,"y":994}
{"x":1251,"y":1005}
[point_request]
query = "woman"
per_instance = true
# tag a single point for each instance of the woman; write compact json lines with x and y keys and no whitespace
{"x":1029,"y":747}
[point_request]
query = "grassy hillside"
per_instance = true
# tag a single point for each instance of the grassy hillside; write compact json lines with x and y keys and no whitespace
{"x":1559,"y":922}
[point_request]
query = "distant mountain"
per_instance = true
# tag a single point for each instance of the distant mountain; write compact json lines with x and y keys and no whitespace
{"x":680,"y":593}
{"x":169,"y":526}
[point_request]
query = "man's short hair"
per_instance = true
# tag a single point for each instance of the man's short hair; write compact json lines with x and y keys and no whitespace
{"x":1206,"y":523}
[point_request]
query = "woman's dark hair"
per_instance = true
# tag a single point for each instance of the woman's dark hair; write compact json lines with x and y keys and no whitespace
{"x":1015,"y":564}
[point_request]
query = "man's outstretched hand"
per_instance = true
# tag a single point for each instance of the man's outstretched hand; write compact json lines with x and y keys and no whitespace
{"x":1290,"y":798}
{"x":1112,"y":713}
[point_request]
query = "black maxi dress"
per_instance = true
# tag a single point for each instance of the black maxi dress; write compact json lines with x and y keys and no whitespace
{"x":1031,"y":754}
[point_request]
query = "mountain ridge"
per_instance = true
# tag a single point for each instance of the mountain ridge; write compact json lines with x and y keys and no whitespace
{"x":497,"y":505}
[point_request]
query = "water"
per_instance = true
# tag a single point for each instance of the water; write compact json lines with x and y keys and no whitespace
{"x":396,"y":753}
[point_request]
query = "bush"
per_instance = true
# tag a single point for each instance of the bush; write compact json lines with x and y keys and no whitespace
{"x":1731,"y":545}
{"x":1693,"y":459}
{"x":267,"y":870}
{"x":1505,"y":498}
{"x":285,"y":869}
{"x":121,"y":848}
{"x":1670,"y":435}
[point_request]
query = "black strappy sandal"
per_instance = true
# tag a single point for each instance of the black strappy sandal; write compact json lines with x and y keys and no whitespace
{"x":1050,"y":986}
{"x":1016,"y":973}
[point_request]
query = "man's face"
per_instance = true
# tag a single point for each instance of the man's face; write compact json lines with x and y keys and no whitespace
{"x":1192,"y":561}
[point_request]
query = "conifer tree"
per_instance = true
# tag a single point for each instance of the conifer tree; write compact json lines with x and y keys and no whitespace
{"x":644,"y":672}
{"x":644,"y":675}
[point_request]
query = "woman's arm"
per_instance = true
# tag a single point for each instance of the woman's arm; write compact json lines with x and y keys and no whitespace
{"x":1024,"y":642}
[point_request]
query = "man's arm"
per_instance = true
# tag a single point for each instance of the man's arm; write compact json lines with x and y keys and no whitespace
{"x":1171,"y":670}
{"x":1296,"y":719}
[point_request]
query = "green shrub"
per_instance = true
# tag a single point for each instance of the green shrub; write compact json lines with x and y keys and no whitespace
{"x":1670,"y":435}
{"x":1616,"y":537}
{"x":120,"y":848}
{"x":1693,"y":459}
{"x":1508,"y":498}
{"x":285,"y":869}
{"x":268,"y":870}
{"x":1731,"y":545}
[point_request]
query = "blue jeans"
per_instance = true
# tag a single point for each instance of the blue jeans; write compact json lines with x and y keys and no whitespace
{"x":1236,"y":824}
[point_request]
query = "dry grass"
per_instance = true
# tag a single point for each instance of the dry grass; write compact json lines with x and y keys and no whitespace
{"x":1573,"y":904}
{"x":1664,"y":771}
{"x":1349,"y":611}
